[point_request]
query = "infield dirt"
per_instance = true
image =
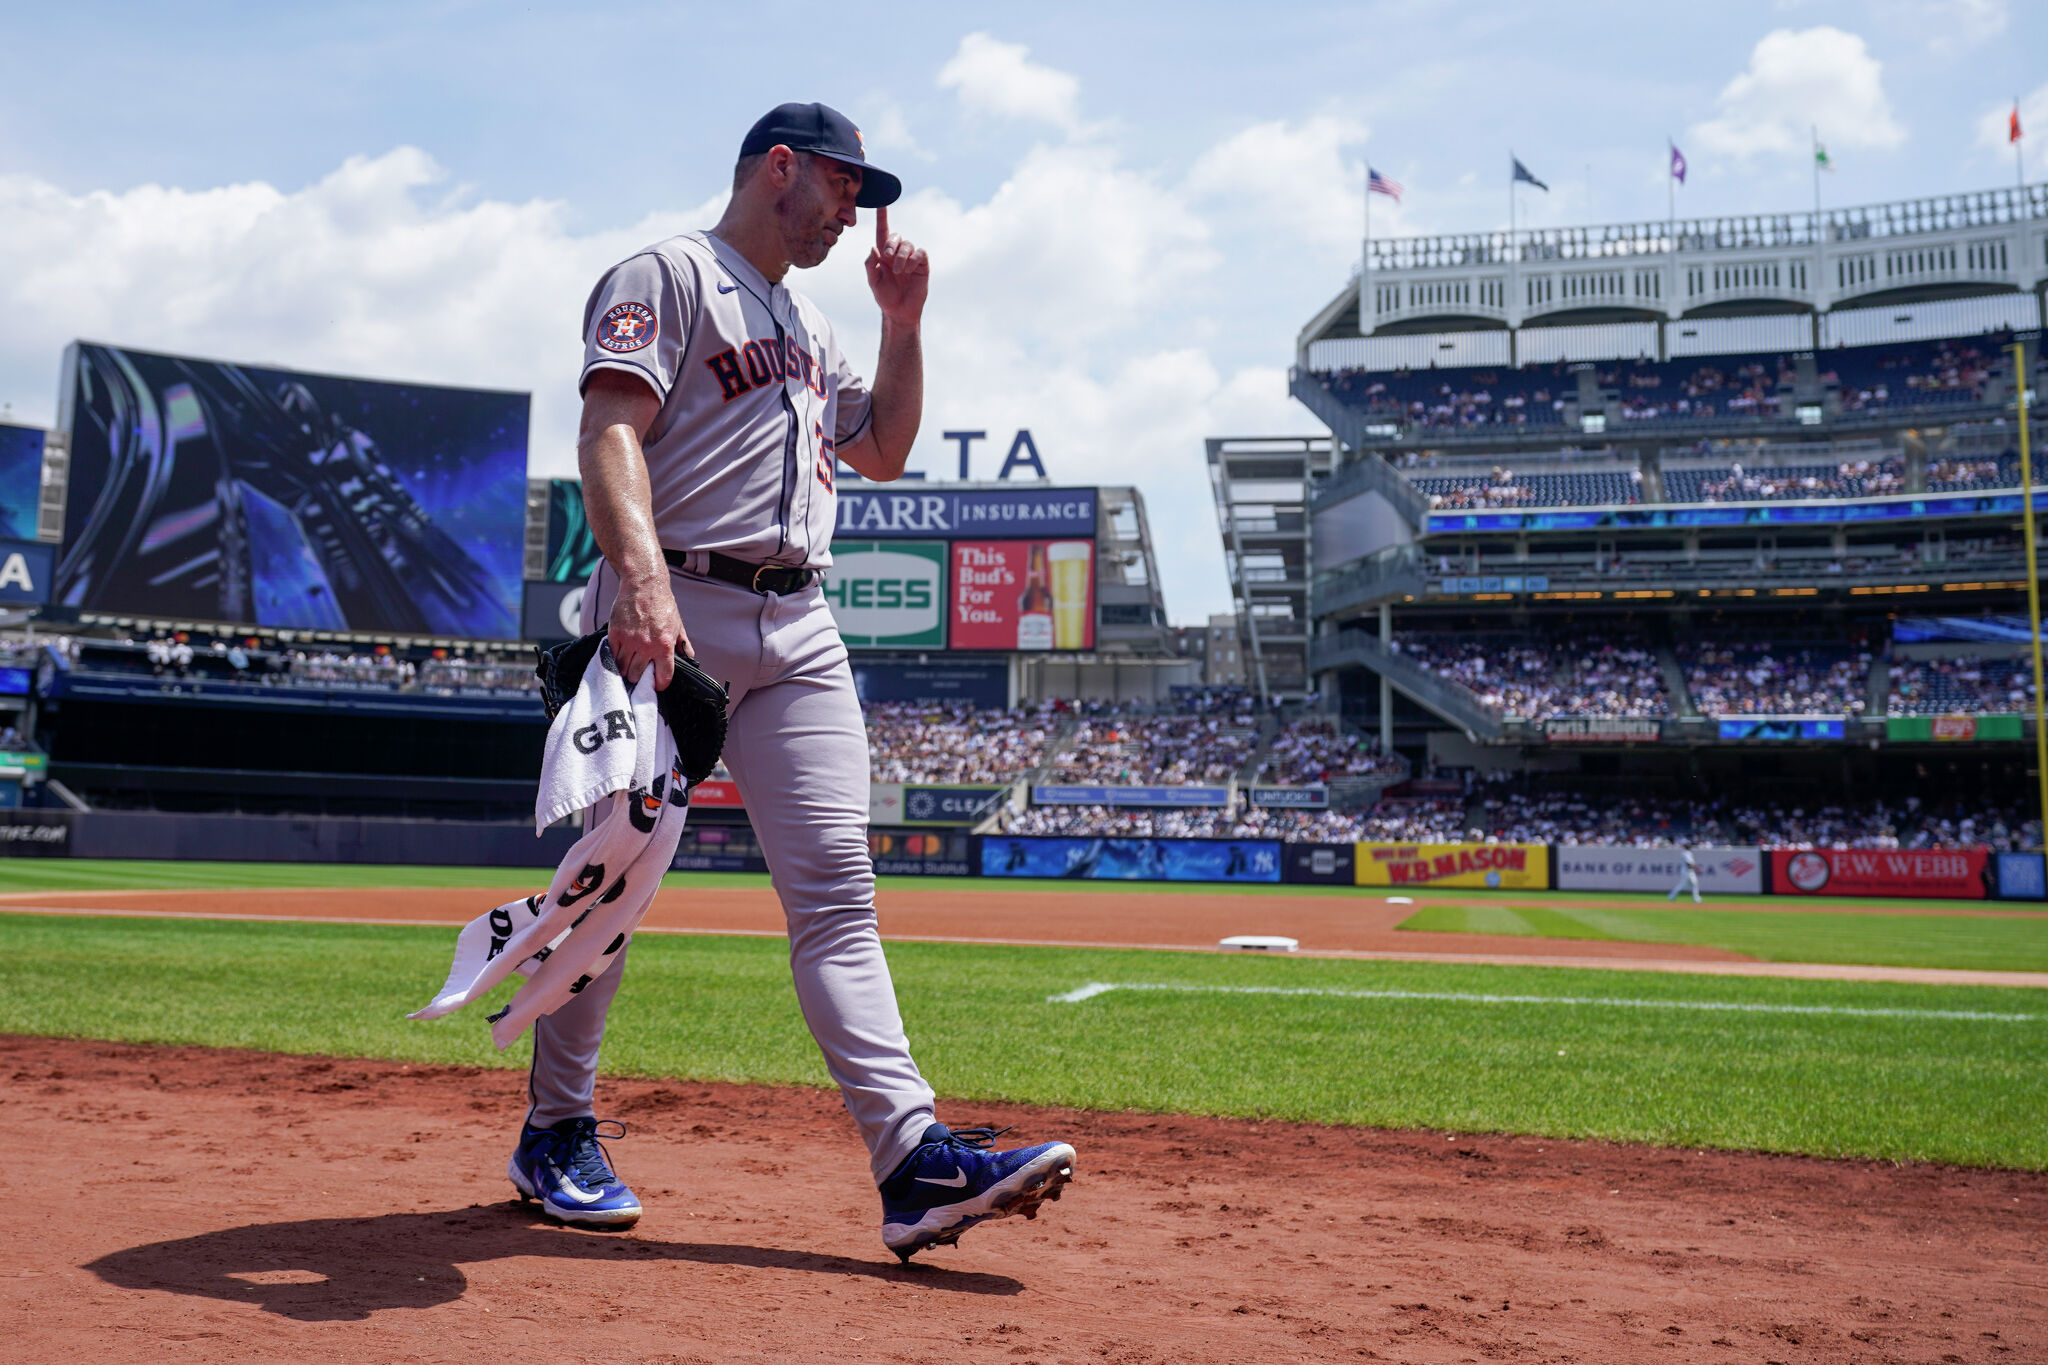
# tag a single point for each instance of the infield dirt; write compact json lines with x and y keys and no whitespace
{"x":202,"y":1205}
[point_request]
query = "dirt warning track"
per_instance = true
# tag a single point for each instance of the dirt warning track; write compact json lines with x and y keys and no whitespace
{"x":206,"y":1205}
{"x":1346,"y":926}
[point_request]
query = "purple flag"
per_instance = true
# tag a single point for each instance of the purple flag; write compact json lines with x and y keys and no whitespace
{"x":1677,"y":164}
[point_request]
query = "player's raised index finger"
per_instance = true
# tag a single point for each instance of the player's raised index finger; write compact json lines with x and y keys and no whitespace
{"x":881,"y":229}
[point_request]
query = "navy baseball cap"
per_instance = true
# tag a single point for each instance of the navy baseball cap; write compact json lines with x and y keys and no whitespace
{"x":822,"y":129}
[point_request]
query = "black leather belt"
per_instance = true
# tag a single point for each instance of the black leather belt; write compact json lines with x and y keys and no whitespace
{"x":762,"y":578}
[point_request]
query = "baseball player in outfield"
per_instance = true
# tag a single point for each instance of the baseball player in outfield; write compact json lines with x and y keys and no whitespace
{"x":1688,"y":875}
{"x":716,"y":405}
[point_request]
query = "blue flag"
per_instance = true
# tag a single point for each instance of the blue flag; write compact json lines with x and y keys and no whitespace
{"x":1522,"y":173}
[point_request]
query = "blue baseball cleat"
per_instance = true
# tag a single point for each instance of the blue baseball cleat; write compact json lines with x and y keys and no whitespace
{"x":953,"y":1181}
{"x":565,"y":1168}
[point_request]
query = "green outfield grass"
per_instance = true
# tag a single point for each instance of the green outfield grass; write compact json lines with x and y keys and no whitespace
{"x":119,"y":874}
{"x":2012,"y":943}
{"x":1911,"y":1084}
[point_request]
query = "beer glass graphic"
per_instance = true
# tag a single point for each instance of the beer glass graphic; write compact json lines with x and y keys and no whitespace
{"x":1071,"y":562}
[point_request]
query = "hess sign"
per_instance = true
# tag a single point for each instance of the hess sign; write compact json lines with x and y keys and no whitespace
{"x":889,"y":593}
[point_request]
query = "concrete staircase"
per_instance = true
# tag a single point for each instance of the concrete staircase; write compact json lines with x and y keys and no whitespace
{"x":1674,"y":682}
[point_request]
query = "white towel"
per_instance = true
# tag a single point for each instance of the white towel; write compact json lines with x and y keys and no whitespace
{"x":598,"y":743}
{"x":569,"y":937}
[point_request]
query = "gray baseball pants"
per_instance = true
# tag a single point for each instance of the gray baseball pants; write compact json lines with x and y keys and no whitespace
{"x":797,"y":749}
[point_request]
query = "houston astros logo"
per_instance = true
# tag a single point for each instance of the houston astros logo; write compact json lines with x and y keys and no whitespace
{"x":626,"y":327}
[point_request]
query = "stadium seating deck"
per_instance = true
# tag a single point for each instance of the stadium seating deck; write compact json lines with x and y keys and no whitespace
{"x":1493,"y":396}
{"x":1966,"y":684}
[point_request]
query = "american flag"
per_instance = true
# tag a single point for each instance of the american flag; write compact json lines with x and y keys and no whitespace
{"x":1375,"y":183}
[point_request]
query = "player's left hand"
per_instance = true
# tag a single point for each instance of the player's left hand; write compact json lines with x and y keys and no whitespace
{"x":898,"y":274}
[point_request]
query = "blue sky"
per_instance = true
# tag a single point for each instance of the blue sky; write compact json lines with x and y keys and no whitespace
{"x":1131,"y":209}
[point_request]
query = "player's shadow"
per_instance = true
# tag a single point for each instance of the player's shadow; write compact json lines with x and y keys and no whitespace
{"x":344,"y":1269}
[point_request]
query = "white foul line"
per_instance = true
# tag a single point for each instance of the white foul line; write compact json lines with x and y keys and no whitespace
{"x":1095,"y":988}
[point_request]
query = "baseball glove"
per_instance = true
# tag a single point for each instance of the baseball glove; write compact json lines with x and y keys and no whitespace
{"x":693,"y":704}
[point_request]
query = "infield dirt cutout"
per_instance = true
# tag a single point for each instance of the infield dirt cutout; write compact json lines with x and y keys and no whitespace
{"x":183,"y":1204}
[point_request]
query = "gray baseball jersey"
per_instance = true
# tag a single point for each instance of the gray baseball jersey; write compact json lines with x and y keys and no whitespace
{"x":755,"y":399}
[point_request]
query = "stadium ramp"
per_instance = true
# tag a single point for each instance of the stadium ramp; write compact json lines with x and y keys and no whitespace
{"x":1356,"y":649}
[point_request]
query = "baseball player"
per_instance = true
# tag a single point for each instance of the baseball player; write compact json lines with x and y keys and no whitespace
{"x":1688,"y":875}
{"x":716,"y":407}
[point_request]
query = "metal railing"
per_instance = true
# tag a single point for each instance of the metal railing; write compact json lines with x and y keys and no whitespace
{"x":1623,"y":241}
{"x":1399,"y":570}
{"x":1454,"y":703}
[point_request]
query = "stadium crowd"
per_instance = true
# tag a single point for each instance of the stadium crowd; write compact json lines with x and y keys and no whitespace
{"x":1304,"y":752}
{"x":1579,"y":817}
{"x":1589,"y":674}
{"x":1728,"y":386}
{"x":1767,"y":680}
{"x":916,"y":742}
{"x":1934,"y":687}
{"x":1845,"y":479}
{"x":1909,"y":374}
{"x":1389,"y":820}
{"x":1124,"y":747}
{"x":1963,"y":475}
{"x":1453,"y":399}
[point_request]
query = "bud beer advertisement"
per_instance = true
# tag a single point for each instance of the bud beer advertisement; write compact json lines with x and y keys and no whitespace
{"x":1957,"y":873}
{"x":1023,"y":594}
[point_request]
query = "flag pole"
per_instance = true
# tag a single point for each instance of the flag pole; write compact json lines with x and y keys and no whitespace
{"x":2019,"y":163}
{"x":1813,"y":129}
{"x":1670,"y":184}
{"x":2019,"y":372}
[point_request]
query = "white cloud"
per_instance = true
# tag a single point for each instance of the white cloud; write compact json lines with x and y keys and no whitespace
{"x":1994,"y":129}
{"x":1800,"y":79}
{"x":361,"y":272}
{"x":994,"y":77}
{"x":887,"y":133}
{"x":1292,"y":178}
{"x":1085,"y":298}
{"x":1949,"y":27}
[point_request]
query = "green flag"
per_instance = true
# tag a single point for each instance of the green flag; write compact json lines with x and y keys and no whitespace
{"x":1821,"y":158}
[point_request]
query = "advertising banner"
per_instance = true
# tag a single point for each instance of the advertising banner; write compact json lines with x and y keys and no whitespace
{"x":35,"y":834}
{"x":1291,"y":798}
{"x":1953,"y":728}
{"x":21,"y":481}
{"x":948,"y":805}
{"x":214,"y":492}
{"x":1602,"y":729}
{"x":572,"y":549}
{"x":548,"y":611}
{"x":912,"y":853}
{"x":14,"y":682}
{"x":1515,"y":867}
{"x":1961,"y":874}
{"x":2021,"y":877}
{"x":1758,"y":514}
{"x":974,"y":682}
{"x":1599,"y":867}
{"x":1023,"y":594}
{"x":1324,"y":864}
{"x":26,"y":569}
{"x":888,"y":594}
{"x":885,"y":803}
{"x":1130,"y":796}
{"x":1157,"y":860}
{"x":715,"y":792}
{"x":944,"y":513}
{"x":1780,"y":729}
{"x":719,"y":848}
